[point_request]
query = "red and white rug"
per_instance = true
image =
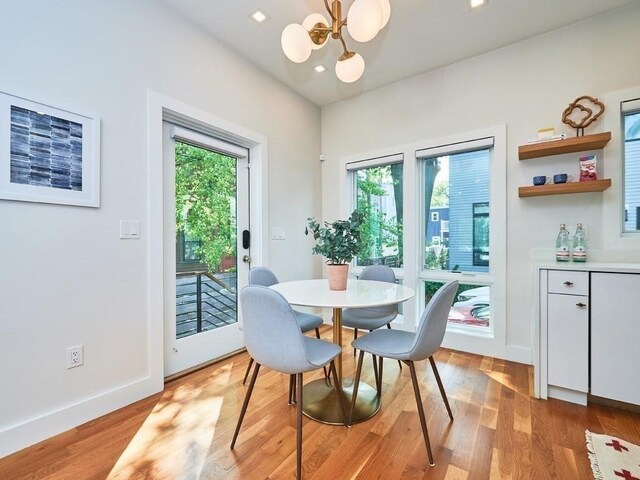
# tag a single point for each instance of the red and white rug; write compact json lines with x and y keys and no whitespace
{"x":613,"y":458}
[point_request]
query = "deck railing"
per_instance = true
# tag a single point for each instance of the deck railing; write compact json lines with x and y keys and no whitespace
{"x":204,"y":302}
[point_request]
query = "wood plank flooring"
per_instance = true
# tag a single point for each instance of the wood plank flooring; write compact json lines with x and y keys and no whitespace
{"x":499,"y":431}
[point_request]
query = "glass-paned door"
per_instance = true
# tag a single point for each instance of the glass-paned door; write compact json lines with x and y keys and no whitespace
{"x":206,"y":211}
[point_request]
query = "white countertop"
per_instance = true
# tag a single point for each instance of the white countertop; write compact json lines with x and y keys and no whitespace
{"x":359,"y":293}
{"x":591,"y":266}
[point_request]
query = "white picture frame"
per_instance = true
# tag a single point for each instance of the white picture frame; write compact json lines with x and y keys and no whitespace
{"x":47,"y":154}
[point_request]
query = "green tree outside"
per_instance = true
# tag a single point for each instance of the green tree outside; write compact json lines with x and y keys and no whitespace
{"x":381,"y":234}
{"x":206,"y":202}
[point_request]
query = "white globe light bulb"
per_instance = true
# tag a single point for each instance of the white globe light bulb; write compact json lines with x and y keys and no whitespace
{"x":296,"y":43}
{"x":351,"y":69}
{"x":364,"y":20}
{"x":386,"y":12}
{"x":311,"y":22}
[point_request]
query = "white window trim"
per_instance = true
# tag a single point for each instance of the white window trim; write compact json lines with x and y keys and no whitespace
{"x":492,"y":340}
{"x":613,"y":201}
{"x":494,"y":345}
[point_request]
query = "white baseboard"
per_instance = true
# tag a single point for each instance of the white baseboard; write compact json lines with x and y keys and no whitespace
{"x":514,"y":353}
{"x":24,"y":434}
{"x":568,"y":395}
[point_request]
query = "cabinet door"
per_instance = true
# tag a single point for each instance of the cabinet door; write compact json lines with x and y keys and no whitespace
{"x":615,"y":336}
{"x":568,"y":341}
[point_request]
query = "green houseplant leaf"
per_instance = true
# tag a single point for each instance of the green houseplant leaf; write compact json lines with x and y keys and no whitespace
{"x":338,"y":241}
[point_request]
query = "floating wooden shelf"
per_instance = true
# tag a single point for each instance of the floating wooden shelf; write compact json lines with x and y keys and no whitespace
{"x":568,"y":145}
{"x":562,"y":188}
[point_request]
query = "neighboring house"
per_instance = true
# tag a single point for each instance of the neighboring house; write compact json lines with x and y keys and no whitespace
{"x":469,"y":212}
{"x":632,"y":185}
{"x":437,"y":227}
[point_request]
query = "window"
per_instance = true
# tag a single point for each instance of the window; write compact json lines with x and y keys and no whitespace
{"x":470,"y":307}
{"x":631,"y":129}
{"x":378,"y":185}
{"x":435,"y":216}
{"x":481,"y":234}
{"x":456,"y":188}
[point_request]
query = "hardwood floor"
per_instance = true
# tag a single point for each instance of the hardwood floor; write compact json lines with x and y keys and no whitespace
{"x":499,"y":430}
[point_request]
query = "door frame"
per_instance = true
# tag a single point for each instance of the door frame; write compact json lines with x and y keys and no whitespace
{"x":163,"y":108}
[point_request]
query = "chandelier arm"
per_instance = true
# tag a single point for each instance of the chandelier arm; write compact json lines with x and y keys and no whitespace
{"x":344,"y":45}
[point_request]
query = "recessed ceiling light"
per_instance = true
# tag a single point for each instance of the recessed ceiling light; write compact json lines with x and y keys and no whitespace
{"x":258,"y":16}
{"x":319,"y":68}
{"x":477,"y":3}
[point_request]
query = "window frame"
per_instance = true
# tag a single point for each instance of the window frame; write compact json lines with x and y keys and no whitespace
{"x":352,"y":167}
{"x":484,"y":343}
{"x":615,"y":238}
{"x":633,"y":109}
{"x":482,"y":340}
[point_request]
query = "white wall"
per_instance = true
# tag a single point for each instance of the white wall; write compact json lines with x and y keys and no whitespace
{"x":66,"y":278}
{"x":525,"y":86}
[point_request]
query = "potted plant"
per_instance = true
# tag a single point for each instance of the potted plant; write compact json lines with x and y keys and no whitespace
{"x":338,"y":242}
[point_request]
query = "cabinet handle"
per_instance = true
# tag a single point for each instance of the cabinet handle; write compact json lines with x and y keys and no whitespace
{"x":580,"y":304}
{"x":568,"y":283}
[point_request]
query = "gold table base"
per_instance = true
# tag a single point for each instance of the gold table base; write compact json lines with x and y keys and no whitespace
{"x":320,"y":401}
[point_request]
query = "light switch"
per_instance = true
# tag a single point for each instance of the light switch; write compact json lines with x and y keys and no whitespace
{"x":278,"y":234}
{"x":129,"y":229}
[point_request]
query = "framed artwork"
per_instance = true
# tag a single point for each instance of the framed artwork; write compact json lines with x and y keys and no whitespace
{"x":48,"y":155}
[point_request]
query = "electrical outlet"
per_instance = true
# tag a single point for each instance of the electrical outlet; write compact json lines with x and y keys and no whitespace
{"x":75,"y":356}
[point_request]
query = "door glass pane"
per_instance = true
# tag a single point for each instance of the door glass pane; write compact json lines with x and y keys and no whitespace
{"x":632,"y":172}
{"x":206,"y":233}
{"x":456,"y":193}
{"x":379,"y":197}
{"x":471,"y":305}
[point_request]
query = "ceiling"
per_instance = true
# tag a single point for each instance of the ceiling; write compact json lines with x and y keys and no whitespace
{"x":421,"y":35}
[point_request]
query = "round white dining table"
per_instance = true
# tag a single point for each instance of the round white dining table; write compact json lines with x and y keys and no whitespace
{"x":320,"y":401}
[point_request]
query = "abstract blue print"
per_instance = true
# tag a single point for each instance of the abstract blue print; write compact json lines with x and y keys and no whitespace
{"x":46,"y":151}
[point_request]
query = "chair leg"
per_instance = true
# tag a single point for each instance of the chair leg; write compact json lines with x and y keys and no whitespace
{"x":292,"y":389}
{"x":374,"y":359}
{"x":399,"y":362}
{"x":380,"y":376}
{"x":324,"y":369}
{"x":338,"y":386}
{"x":440,"y":386}
{"x":355,"y":337}
{"x":245,"y":404}
{"x":299,"y":427}
{"x":423,"y":422}
{"x":246,"y":374}
{"x":356,"y":383}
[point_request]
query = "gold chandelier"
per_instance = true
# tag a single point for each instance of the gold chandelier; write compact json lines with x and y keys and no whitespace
{"x":365,"y":19}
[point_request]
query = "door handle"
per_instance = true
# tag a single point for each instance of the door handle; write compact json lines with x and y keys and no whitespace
{"x":246,"y":259}
{"x":580,"y":304}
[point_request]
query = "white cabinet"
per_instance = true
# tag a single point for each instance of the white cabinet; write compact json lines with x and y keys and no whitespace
{"x":568,"y":332}
{"x":566,"y":318}
{"x":615,"y":336}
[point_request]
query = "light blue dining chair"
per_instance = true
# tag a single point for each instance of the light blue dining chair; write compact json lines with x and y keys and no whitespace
{"x":372,"y":318}
{"x":273,"y":338}
{"x":411,"y":347}
{"x":264,"y":276}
